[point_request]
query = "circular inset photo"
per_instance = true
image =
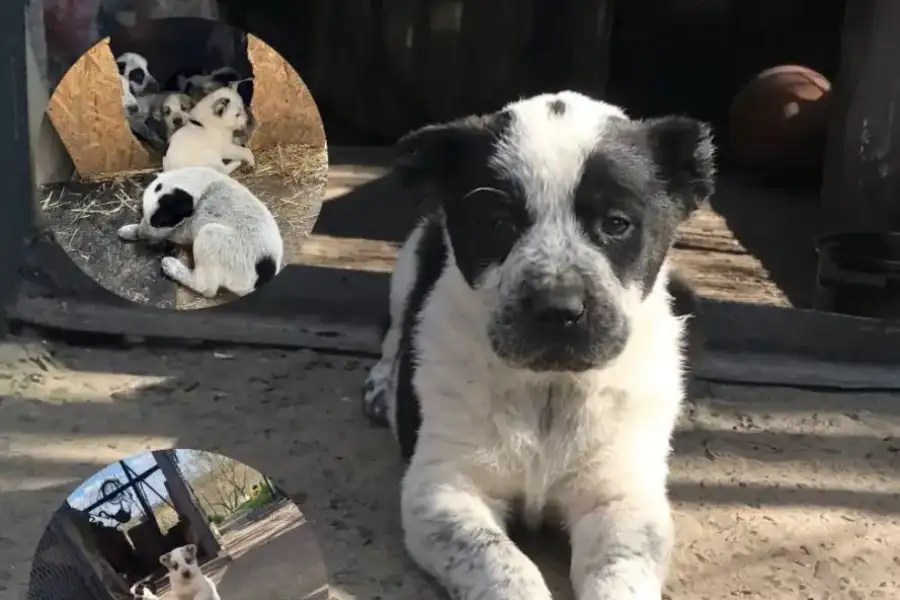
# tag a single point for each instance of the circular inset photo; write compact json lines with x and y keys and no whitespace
{"x":178,"y":525}
{"x":200,"y":162}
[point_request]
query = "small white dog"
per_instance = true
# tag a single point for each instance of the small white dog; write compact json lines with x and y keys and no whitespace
{"x":186,"y":580}
{"x":235,"y":240}
{"x":533,"y":365}
{"x":208,"y":138}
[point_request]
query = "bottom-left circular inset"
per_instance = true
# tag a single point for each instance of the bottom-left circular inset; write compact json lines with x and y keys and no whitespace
{"x":178,"y":524}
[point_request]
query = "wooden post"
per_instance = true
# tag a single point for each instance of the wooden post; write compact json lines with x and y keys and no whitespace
{"x":861,"y":181}
{"x":184,"y":502}
{"x":16,"y":187}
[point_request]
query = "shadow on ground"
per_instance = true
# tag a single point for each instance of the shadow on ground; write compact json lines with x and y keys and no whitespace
{"x":745,"y":470}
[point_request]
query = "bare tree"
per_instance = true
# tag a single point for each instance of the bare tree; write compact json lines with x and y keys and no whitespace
{"x":232,"y":481}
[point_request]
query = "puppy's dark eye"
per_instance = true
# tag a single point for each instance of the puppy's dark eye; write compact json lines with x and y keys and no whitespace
{"x":615,"y":225}
{"x":502,"y":222}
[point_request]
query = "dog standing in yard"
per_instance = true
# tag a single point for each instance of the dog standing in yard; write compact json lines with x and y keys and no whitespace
{"x":533,"y":364}
{"x":186,"y":580}
{"x":235,"y":240}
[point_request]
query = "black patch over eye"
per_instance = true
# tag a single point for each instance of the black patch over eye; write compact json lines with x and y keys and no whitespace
{"x":485,"y":224}
{"x":615,"y":225}
{"x":137,"y":76}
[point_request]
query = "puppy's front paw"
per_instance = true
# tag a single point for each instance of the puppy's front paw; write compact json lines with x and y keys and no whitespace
{"x":173,"y":268}
{"x":129,"y":233}
{"x":375,"y":391}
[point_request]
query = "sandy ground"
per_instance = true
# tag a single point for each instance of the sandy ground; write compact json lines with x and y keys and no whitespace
{"x":778,"y":494}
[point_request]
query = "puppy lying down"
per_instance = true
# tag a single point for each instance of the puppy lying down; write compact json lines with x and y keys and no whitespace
{"x":234,"y":238}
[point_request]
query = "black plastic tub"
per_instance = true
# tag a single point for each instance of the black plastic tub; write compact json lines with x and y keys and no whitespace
{"x":859,"y":274}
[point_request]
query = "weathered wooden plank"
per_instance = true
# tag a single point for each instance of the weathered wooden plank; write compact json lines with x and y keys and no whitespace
{"x":207,"y":325}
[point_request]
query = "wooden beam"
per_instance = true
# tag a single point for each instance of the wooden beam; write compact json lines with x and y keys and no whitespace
{"x":15,"y":155}
{"x":184,"y":502}
{"x":861,"y":182}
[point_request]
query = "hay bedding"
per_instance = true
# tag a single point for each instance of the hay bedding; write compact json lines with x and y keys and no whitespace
{"x":85,"y":215}
{"x":290,"y":174}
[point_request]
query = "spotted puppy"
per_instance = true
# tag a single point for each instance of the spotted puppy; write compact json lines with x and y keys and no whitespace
{"x":200,"y":85}
{"x":532,"y":367}
{"x":207,"y":139}
{"x":234,"y":238}
{"x":172,"y":111}
{"x":186,"y":580}
{"x":135,"y":69}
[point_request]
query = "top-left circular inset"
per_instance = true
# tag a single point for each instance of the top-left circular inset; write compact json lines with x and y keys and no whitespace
{"x":200,"y":163}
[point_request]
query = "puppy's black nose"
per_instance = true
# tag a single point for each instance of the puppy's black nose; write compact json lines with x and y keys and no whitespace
{"x":558,"y":306}
{"x":178,"y":122}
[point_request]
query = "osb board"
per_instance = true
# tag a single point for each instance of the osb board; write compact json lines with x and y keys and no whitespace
{"x":86,"y":111}
{"x":284,"y":108}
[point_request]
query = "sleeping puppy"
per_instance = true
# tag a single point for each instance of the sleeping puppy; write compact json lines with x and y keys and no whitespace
{"x":532,"y":368}
{"x":186,"y":580}
{"x":207,"y":140}
{"x":234,"y":238}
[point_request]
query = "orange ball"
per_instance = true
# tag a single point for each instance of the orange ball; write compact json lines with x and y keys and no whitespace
{"x":779,"y":120}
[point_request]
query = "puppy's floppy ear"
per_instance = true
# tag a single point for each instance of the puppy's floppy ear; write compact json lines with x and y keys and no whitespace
{"x":174,"y":207}
{"x":684,"y":153}
{"x":219,"y":106}
{"x":190,"y":551}
{"x":165,"y":560}
{"x":435,"y":152}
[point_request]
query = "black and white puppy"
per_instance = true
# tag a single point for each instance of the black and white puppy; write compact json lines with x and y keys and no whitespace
{"x":136,"y":70}
{"x":533,"y":366}
{"x":234,"y":238}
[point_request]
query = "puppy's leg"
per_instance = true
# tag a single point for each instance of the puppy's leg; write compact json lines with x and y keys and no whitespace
{"x":178,"y":271}
{"x":130,"y":233}
{"x":457,"y":536}
{"x":621,"y":549}
{"x":234,"y":152}
{"x":378,"y":387}
{"x":231,"y":166}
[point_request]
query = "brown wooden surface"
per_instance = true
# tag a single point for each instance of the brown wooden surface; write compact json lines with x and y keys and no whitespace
{"x":861,"y":189}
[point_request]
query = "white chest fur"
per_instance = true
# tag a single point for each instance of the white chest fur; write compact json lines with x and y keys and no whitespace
{"x":531,"y":438}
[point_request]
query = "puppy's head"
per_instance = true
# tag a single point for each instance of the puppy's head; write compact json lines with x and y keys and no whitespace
{"x":175,"y":111}
{"x":170,"y":199}
{"x":223,"y":106}
{"x":560,"y":212}
{"x":181,"y":563}
{"x":135,"y":69}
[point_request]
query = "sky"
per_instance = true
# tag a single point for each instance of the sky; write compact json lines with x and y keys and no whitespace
{"x":89,"y":491}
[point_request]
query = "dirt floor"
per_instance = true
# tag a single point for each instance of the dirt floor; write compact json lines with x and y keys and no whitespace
{"x":84,"y":217}
{"x":778,"y":494}
{"x":256,"y":567}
